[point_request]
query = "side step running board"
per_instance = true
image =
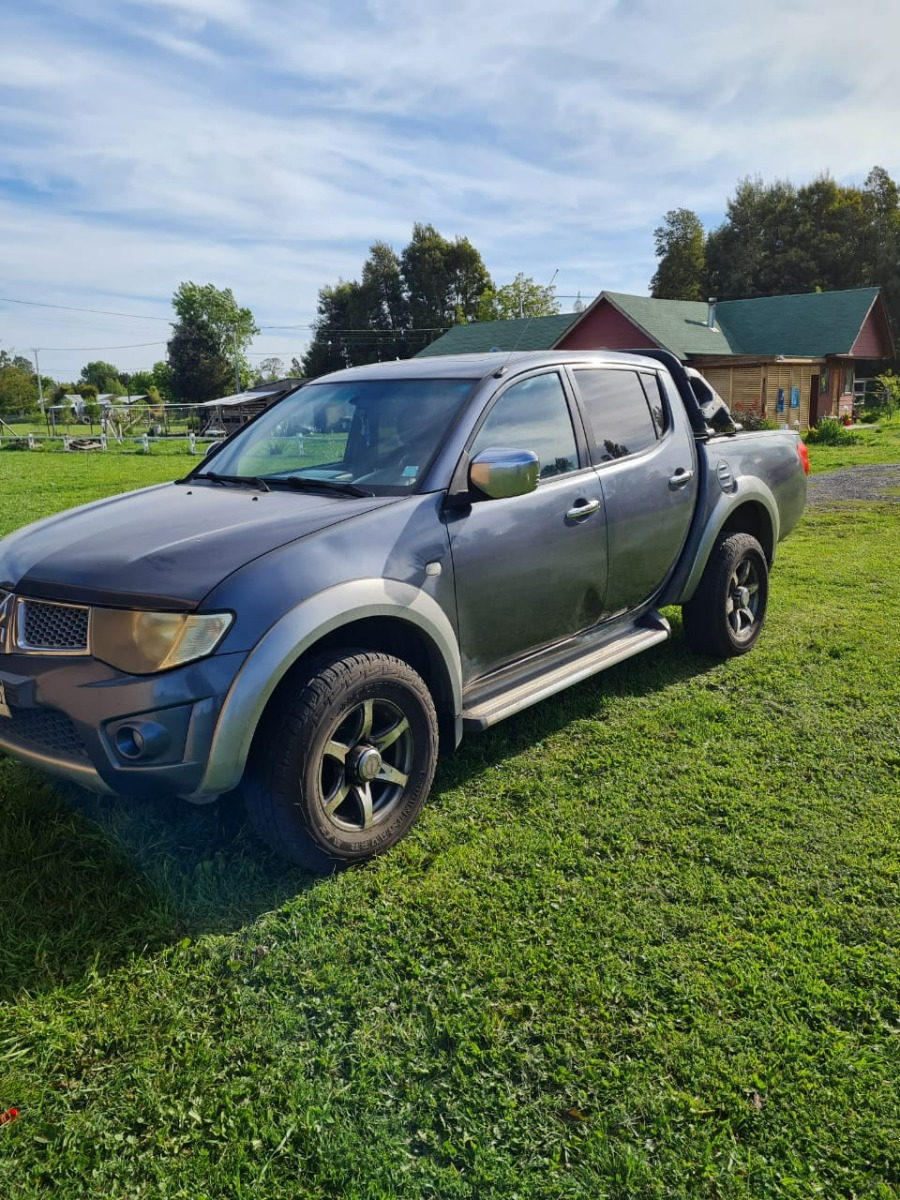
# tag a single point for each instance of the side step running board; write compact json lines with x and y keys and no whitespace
{"x":495,"y":707}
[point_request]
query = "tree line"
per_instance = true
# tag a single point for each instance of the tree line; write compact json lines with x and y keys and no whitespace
{"x":779,"y":239}
{"x":776,"y":239}
{"x":400,"y":303}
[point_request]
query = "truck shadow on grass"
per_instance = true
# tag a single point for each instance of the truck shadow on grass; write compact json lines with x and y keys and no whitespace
{"x":87,"y":882}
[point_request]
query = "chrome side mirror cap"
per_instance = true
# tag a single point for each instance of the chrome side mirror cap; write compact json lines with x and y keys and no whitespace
{"x":500,"y":473}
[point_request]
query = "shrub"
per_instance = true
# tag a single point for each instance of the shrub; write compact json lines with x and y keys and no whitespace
{"x":829,"y":432}
{"x":883,"y":396}
{"x":753,"y":421}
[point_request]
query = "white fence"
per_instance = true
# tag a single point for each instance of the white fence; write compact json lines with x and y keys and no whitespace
{"x":190,"y":443}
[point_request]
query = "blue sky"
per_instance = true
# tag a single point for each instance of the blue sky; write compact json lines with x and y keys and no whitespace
{"x":263,"y":146}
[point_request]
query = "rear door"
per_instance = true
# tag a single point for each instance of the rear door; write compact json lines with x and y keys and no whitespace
{"x":646,"y":463}
{"x":530,"y":570}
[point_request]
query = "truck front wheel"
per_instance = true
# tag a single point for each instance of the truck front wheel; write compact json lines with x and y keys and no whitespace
{"x":340,"y":774}
{"x":726,"y":613}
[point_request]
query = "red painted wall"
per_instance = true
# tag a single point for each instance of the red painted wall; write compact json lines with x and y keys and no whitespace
{"x":604,"y":328}
{"x":872,"y":341}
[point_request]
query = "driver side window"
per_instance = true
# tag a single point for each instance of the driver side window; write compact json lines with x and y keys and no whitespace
{"x":533,"y":415}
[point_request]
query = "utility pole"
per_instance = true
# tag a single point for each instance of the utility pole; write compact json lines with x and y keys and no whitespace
{"x":237,"y":373}
{"x":37,"y":369}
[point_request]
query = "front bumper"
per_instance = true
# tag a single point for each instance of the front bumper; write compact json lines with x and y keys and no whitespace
{"x":81,"y":720}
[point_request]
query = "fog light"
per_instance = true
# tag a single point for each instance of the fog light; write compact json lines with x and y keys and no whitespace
{"x":146,"y":739}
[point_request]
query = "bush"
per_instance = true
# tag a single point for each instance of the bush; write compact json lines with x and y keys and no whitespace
{"x":882,"y":398}
{"x":752,"y":421}
{"x":829,"y":432}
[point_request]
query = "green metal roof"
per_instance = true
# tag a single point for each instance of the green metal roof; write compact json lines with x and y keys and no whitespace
{"x":676,"y":325}
{"x":809,"y":326}
{"x":525,"y":333}
{"x":806,"y":326}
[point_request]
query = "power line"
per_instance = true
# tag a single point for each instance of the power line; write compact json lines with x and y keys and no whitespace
{"x":103,"y":312}
{"x":95,"y":349}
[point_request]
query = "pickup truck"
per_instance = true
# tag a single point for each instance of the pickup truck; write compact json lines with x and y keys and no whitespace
{"x":387,"y":557}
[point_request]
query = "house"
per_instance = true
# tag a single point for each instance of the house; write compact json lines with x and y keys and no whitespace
{"x":791,"y":359}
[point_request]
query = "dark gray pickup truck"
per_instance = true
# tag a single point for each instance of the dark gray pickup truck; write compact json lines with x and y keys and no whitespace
{"x":387,"y":557}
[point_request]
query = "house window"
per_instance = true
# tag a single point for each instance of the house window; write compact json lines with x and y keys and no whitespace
{"x":848,"y":381}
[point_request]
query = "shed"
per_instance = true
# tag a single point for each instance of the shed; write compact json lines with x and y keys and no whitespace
{"x":230,"y":412}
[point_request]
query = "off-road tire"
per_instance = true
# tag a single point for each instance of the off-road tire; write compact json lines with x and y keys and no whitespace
{"x":726,"y":613}
{"x":306,"y":790}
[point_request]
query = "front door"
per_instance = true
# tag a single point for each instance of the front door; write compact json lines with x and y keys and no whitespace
{"x":530,"y":570}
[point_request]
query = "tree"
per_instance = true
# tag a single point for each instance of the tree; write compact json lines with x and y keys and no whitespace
{"x":103,"y":376}
{"x":881,"y":202}
{"x":16,"y":360}
{"x":335,"y":343}
{"x":198,"y":369}
{"x":778,"y":239}
{"x":521,"y":298}
{"x":215,"y":330}
{"x":18,"y":390}
{"x":232,"y":326}
{"x":268,"y":370}
{"x":93,"y":413}
{"x":400,"y":304}
{"x":682,"y":259}
{"x":382,"y":294}
{"x":139,"y":382}
{"x":161,"y":376}
{"x":443,"y":280}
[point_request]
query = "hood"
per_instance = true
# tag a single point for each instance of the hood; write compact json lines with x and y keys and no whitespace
{"x":165,"y":546}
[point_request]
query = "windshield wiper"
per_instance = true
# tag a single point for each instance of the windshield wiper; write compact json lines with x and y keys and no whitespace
{"x":256,"y":481}
{"x":305,"y":484}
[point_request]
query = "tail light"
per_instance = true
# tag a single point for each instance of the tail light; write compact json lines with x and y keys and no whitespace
{"x":803,"y":454}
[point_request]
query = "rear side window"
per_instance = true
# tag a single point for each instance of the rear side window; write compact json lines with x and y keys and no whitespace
{"x":653,"y":392}
{"x":624,"y":418}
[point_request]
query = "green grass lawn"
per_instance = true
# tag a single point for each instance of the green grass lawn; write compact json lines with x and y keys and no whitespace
{"x":643,"y":942}
{"x":871,"y":444}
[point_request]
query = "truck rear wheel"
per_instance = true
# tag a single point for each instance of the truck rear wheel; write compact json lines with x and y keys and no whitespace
{"x":725,"y":616}
{"x":340,"y":774}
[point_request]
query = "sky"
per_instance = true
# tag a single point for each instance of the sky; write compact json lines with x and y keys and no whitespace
{"x":264,"y":145}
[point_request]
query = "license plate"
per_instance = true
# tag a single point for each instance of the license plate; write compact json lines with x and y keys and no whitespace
{"x":4,"y":707}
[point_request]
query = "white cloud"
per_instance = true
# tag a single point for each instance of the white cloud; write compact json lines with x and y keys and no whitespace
{"x":264,"y":146}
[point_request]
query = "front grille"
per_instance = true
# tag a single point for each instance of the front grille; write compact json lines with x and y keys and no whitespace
{"x":53,"y":626}
{"x":43,"y":729}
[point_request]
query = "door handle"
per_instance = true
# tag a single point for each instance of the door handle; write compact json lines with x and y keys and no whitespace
{"x":680,"y":478}
{"x":582,"y":509}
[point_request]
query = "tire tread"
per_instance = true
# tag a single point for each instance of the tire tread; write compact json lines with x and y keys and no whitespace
{"x":271,"y":782}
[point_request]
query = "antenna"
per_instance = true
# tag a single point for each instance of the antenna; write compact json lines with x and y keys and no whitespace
{"x":503,"y":369}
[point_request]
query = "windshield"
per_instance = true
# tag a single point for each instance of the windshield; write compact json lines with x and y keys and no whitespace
{"x":378,"y":434}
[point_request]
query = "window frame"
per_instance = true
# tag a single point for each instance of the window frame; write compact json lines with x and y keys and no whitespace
{"x":573,"y":407}
{"x":644,"y":377}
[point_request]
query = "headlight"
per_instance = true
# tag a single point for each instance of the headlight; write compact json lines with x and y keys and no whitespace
{"x":143,"y":642}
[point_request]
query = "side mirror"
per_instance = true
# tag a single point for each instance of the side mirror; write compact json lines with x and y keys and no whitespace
{"x":499,"y":473}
